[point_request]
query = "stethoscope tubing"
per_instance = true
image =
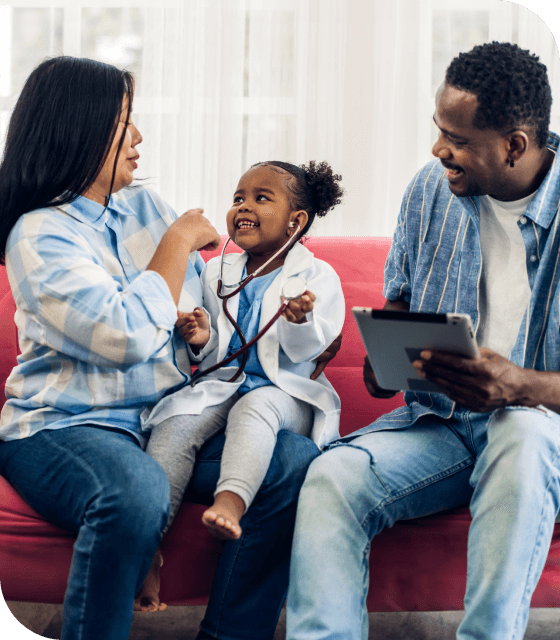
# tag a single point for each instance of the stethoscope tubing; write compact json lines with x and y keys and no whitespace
{"x":242,"y":351}
{"x":245,"y":346}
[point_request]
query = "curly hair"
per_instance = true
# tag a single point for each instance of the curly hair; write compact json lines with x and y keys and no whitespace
{"x":314,"y":188}
{"x":511,"y":86}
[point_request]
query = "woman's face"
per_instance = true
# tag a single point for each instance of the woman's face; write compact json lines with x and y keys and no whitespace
{"x":126,"y":162}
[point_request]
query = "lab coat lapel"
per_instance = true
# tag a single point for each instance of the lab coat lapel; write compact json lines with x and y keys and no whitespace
{"x":298,"y":259}
{"x":233,"y":269}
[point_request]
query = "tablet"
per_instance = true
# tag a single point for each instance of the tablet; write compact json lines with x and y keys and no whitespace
{"x":394,"y":339}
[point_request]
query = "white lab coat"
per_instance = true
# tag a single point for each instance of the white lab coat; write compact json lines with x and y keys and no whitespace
{"x":288,"y":369}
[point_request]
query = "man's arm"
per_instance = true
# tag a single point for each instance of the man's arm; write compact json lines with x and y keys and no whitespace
{"x":369,"y":377}
{"x":489,"y":382}
{"x":328,"y":354}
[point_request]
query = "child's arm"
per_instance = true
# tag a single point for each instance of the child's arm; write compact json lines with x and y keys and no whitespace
{"x":297,"y":309}
{"x":194,"y":327}
{"x":305,"y":341}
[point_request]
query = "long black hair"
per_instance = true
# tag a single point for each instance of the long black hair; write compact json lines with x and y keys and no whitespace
{"x":59,"y":136}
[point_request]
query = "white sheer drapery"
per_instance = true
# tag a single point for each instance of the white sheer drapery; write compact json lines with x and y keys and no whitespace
{"x":346,"y":81}
{"x":222,"y":84}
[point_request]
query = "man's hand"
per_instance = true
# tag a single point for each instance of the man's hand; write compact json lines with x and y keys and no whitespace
{"x":328,"y":354}
{"x":482,"y":384}
{"x":297,"y":308}
{"x":371,"y":383}
{"x":194,"y":327}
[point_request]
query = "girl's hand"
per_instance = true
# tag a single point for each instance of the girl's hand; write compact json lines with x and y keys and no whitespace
{"x":296,"y":309}
{"x":194,"y":327}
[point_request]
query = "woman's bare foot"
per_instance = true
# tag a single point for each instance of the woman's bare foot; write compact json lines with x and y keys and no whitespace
{"x":222,"y":518}
{"x":147,"y":598}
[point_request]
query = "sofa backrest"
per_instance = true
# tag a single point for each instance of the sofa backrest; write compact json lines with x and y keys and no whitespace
{"x":359,"y":262}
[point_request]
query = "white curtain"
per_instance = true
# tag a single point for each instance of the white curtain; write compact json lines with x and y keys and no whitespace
{"x":241,"y":81}
{"x":346,"y":81}
{"x":222,"y":84}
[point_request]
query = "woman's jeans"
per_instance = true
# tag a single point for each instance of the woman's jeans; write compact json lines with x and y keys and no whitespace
{"x":505,"y":465}
{"x":99,"y":484}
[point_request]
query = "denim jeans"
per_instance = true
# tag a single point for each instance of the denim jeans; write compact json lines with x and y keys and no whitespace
{"x":504,"y":464}
{"x":99,"y":484}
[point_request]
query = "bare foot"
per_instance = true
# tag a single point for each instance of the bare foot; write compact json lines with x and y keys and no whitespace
{"x":147,"y":598}
{"x":222,"y":518}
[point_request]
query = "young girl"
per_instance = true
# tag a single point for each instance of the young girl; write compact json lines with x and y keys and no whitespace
{"x":273,"y":202}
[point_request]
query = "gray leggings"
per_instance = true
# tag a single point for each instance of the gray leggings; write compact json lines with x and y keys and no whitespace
{"x":251,"y":422}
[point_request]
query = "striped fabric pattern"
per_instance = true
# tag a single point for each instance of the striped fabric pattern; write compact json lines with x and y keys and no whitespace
{"x":435,"y":265}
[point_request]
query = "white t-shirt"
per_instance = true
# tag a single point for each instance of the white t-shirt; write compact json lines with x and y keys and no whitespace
{"x":504,"y":284}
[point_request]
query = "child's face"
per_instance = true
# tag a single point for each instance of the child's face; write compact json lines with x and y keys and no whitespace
{"x":259,"y":218}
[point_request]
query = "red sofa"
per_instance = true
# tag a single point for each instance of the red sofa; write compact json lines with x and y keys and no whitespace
{"x":417,"y":565}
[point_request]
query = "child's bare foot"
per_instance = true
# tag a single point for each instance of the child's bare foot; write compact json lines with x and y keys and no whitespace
{"x":148,"y":596}
{"x":222,"y":518}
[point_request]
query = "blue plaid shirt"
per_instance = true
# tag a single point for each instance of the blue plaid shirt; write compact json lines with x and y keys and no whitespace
{"x":96,"y":329}
{"x":435,"y":265}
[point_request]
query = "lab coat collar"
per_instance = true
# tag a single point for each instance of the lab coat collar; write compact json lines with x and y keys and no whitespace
{"x":298,"y":259}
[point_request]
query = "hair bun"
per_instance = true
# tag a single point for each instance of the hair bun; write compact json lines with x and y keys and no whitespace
{"x":324,"y":190}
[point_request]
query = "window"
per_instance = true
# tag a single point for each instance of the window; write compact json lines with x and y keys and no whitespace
{"x":222,"y":84}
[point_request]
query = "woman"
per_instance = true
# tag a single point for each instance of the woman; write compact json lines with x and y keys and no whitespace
{"x":98,"y":270}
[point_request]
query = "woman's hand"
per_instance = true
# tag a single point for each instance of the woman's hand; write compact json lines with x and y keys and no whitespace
{"x":198,"y":229}
{"x":297,"y":309}
{"x":191,"y":232}
{"x":194,"y":327}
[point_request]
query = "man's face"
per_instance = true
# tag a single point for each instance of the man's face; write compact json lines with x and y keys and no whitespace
{"x":476,"y":160}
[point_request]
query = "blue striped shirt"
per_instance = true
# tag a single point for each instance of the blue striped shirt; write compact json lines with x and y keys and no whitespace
{"x":435,"y":265}
{"x":96,"y":330}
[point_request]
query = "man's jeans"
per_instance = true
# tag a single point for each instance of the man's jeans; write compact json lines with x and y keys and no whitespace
{"x":506,"y":466}
{"x":99,"y":484}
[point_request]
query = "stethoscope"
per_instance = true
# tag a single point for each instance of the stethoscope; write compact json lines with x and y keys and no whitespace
{"x":292,"y":289}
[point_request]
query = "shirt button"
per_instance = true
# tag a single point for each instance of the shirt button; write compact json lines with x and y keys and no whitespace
{"x":523,"y":220}
{"x":533,"y":258}
{"x":126,"y":261}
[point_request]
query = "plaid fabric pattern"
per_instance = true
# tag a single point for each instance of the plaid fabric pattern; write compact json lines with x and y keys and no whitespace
{"x":96,"y":330}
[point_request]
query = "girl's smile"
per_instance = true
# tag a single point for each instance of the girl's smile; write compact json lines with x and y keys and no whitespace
{"x":261,"y":213}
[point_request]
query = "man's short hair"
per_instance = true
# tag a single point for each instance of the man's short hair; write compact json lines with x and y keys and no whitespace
{"x":511,"y":86}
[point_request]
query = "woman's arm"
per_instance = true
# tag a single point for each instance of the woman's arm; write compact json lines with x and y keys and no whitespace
{"x":69,"y":301}
{"x":190,"y":232}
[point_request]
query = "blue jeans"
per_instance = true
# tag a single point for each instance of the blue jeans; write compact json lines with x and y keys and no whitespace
{"x":99,"y":484}
{"x":504,"y":464}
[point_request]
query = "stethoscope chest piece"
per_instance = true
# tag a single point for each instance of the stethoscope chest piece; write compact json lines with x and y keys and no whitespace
{"x":294,"y":288}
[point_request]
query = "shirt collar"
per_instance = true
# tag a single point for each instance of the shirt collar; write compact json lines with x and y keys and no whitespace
{"x":543,"y":207}
{"x":94,"y":214}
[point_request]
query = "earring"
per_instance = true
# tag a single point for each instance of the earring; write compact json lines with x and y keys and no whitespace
{"x":511,"y":164}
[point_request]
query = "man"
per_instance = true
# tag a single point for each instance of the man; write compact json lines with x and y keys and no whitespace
{"x":478,"y":233}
